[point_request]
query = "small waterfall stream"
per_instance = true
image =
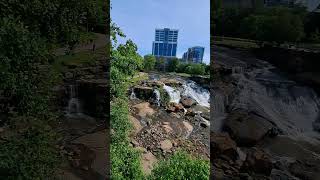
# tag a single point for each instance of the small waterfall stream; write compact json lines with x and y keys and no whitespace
{"x":157,"y":97}
{"x":199,"y":94}
{"x":189,"y":89}
{"x":74,"y":106}
{"x":173,"y":93}
{"x":219,"y":114}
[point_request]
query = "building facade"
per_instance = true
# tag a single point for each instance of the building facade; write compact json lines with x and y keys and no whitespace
{"x":166,"y":42}
{"x":194,"y":55}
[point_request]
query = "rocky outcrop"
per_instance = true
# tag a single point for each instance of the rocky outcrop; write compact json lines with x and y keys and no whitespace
{"x":247,"y":128}
{"x":93,"y":95}
{"x":222,"y":144}
{"x":174,"y":107}
{"x":144,"y":109}
{"x":143,"y":92}
{"x":301,"y":65}
{"x":258,"y":161}
{"x":187,"y":101}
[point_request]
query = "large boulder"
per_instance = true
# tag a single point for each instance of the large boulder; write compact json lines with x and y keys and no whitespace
{"x":174,"y":107}
{"x":247,"y":128}
{"x":187,"y":101}
{"x":222,"y":144}
{"x":144,"y":109}
{"x":258,"y":161}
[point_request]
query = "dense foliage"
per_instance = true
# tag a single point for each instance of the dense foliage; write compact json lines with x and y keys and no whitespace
{"x":125,"y":62}
{"x":58,"y":20}
{"x":29,"y":30}
{"x":194,"y":69}
{"x":173,"y":65}
{"x":149,"y":62}
{"x":271,"y":24}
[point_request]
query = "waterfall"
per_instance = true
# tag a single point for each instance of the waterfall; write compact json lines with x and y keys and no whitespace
{"x":218,"y":103}
{"x":199,"y":94}
{"x":173,"y":93}
{"x":291,"y":107}
{"x":156,"y":93}
{"x":133,"y":95}
{"x":189,"y":89}
{"x":73,"y":103}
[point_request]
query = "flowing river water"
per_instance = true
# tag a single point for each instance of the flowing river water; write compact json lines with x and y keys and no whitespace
{"x":261,"y":88}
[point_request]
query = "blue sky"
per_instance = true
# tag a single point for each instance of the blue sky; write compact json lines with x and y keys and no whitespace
{"x":139,"y":18}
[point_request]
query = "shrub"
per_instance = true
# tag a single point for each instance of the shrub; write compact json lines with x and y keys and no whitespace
{"x":173,"y":65}
{"x":125,"y":162}
{"x":181,"y":166}
{"x":119,"y":120}
{"x":164,"y":96}
{"x":30,"y":154}
{"x":149,"y":62}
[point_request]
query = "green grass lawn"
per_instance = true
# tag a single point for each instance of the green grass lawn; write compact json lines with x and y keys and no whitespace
{"x":235,"y":42}
{"x":86,"y":57}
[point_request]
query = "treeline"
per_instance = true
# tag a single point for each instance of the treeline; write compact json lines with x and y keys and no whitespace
{"x":174,"y":65}
{"x":29,"y":32}
{"x":271,"y":24}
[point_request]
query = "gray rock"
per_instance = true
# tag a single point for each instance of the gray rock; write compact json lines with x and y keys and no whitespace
{"x":247,"y":128}
{"x":281,"y":175}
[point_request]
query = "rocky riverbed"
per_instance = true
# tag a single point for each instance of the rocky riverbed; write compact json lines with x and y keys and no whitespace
{"x":162,"y":127}
{"x":264,"y":125}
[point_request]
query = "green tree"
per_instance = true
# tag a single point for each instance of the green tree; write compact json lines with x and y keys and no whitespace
{"x":149,"y":62}
{"x":161,"y":63}
{"x":26,"y":84}
{"x":173,"y":65}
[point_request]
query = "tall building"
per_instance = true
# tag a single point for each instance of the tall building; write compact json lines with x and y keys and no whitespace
{"x":165,"y":44}
{"x":194,"y":55}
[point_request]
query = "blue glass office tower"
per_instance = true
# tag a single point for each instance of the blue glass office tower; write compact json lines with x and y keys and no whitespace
{"x":194,"y":54}
{"x":165,"y":43}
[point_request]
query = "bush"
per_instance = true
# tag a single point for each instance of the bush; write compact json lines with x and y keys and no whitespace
{"x":149,"y":62}
{"x":119,"y":120}
{"x":165,"y":98}
{"x":173,"y":65}
{"x":181,"y":166}
{"x":30,"y":154}
{"x":125,"y":162}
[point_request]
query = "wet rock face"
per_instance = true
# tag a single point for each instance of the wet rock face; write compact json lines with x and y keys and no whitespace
{"x":142,"y":92}
{"x":247,"y":128}
{"x":93,"y":95}
{"x":187,"y":101}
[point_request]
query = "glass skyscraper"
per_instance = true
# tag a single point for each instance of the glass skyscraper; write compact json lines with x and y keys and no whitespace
{"x":194,"y":54}
{"x":165,"y":43}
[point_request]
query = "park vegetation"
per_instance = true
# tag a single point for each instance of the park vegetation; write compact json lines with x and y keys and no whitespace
{"x":30,"y":31}
{"x":174,"y":65}
{"x":266,"y":24}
